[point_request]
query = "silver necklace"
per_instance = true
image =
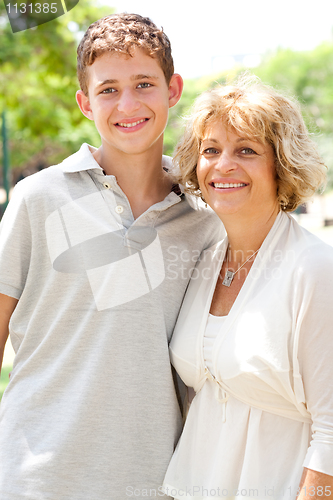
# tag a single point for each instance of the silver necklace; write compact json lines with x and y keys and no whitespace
{"x":229,"y":275}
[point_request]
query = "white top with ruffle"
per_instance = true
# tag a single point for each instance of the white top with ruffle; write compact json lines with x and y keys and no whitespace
{"x":269,"y":411}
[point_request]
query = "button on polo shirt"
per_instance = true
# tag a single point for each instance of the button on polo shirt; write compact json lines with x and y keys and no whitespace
{"x":113,"y":197}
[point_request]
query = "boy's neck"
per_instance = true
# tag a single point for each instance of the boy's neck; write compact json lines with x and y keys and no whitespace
{"x":141,"y":176}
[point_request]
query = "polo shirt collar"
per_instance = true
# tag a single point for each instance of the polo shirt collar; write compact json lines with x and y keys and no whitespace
{"x":81,"y":160}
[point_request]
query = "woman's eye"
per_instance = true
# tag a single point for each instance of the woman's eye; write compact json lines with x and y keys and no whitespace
{"x":210,"y":151}
{"x":248,"y":151}
{"x":144,"y":85}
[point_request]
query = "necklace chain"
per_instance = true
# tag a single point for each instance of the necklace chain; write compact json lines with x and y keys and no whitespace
{"x":229,"y":275}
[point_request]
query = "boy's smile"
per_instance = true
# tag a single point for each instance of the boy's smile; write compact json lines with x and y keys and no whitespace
{"x":129,"y":101}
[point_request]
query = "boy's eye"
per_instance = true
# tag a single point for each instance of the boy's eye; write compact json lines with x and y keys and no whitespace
{"x":108,"y":91}
{"x":144,"y":85}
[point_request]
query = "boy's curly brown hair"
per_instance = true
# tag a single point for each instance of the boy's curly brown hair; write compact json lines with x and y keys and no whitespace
{"x":122,"y":33}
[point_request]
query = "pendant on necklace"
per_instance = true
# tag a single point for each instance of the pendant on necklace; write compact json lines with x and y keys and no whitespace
{"x":229,"y":276}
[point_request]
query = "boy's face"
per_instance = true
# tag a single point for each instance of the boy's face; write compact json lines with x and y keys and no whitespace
{"x":129,"y":100}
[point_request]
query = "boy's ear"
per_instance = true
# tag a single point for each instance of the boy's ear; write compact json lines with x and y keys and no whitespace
{"x":175,"y":89}
{"x":84,"y":104}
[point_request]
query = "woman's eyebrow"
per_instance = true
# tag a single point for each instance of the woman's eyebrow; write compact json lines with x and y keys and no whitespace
{"x":210,"y":139}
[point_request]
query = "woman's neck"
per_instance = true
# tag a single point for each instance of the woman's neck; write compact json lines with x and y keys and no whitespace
{"x":246,"y":237}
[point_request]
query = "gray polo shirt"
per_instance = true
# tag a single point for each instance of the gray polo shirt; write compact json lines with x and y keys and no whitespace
{"x":91,"y":411}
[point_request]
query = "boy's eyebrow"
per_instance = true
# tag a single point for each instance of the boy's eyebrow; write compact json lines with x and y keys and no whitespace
{"x":144,"y":77}
{"x":133,"y":78}
{"x":104,"y":82}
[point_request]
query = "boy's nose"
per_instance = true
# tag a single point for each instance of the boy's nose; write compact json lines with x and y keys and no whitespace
{"x":128,"y":102}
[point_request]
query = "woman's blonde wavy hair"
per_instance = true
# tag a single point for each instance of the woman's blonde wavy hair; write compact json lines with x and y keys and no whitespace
{"x":256,"y":111}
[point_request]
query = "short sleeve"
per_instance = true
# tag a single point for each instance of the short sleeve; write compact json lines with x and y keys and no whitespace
{"x":15,"y":245}
{"x":315,"y":352}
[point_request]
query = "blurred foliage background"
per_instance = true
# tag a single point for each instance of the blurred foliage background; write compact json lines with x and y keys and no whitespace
{"x":38,"y":84}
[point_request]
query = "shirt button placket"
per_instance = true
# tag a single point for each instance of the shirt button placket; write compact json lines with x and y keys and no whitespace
{"x":119,"y":209}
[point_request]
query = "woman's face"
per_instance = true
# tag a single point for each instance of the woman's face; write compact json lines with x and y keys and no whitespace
{"x":236,"y":175}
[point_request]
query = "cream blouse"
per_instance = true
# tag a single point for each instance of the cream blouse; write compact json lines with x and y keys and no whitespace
{"x":214,"y":324}
{"x":269,"y":411}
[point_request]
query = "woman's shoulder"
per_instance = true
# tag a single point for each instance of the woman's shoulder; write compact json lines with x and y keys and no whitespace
{"x":311,"y":254}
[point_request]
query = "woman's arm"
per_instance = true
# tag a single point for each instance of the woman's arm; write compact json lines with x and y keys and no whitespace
{"x":315,"y":320}
{"x":315,"y":486}
{"x":7,"y":306}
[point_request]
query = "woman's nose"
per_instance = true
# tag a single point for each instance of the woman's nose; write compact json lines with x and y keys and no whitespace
{"x":226,"y":162}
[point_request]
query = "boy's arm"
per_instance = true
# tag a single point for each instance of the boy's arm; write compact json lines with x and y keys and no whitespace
{"x":7,"y":306}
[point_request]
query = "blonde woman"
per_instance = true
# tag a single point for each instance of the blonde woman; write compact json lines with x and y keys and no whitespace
{"x":254,"y":337}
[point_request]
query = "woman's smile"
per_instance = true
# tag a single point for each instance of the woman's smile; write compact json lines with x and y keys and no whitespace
{"x":236,"y":174}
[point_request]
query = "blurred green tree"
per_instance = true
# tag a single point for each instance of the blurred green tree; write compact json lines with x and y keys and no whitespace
{"x":38,"y":84}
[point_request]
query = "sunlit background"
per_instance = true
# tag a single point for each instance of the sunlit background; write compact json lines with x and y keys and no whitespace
{"x":288,"y":44}
{"x":213,"y":35}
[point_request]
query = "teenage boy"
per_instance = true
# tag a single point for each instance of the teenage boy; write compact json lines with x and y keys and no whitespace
{"x":95,"y":257}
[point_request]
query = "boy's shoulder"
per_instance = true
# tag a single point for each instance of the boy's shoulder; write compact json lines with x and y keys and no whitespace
{"x":202,"y":211}
{"x":78,"y":161}
{"x":53,"y":180}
